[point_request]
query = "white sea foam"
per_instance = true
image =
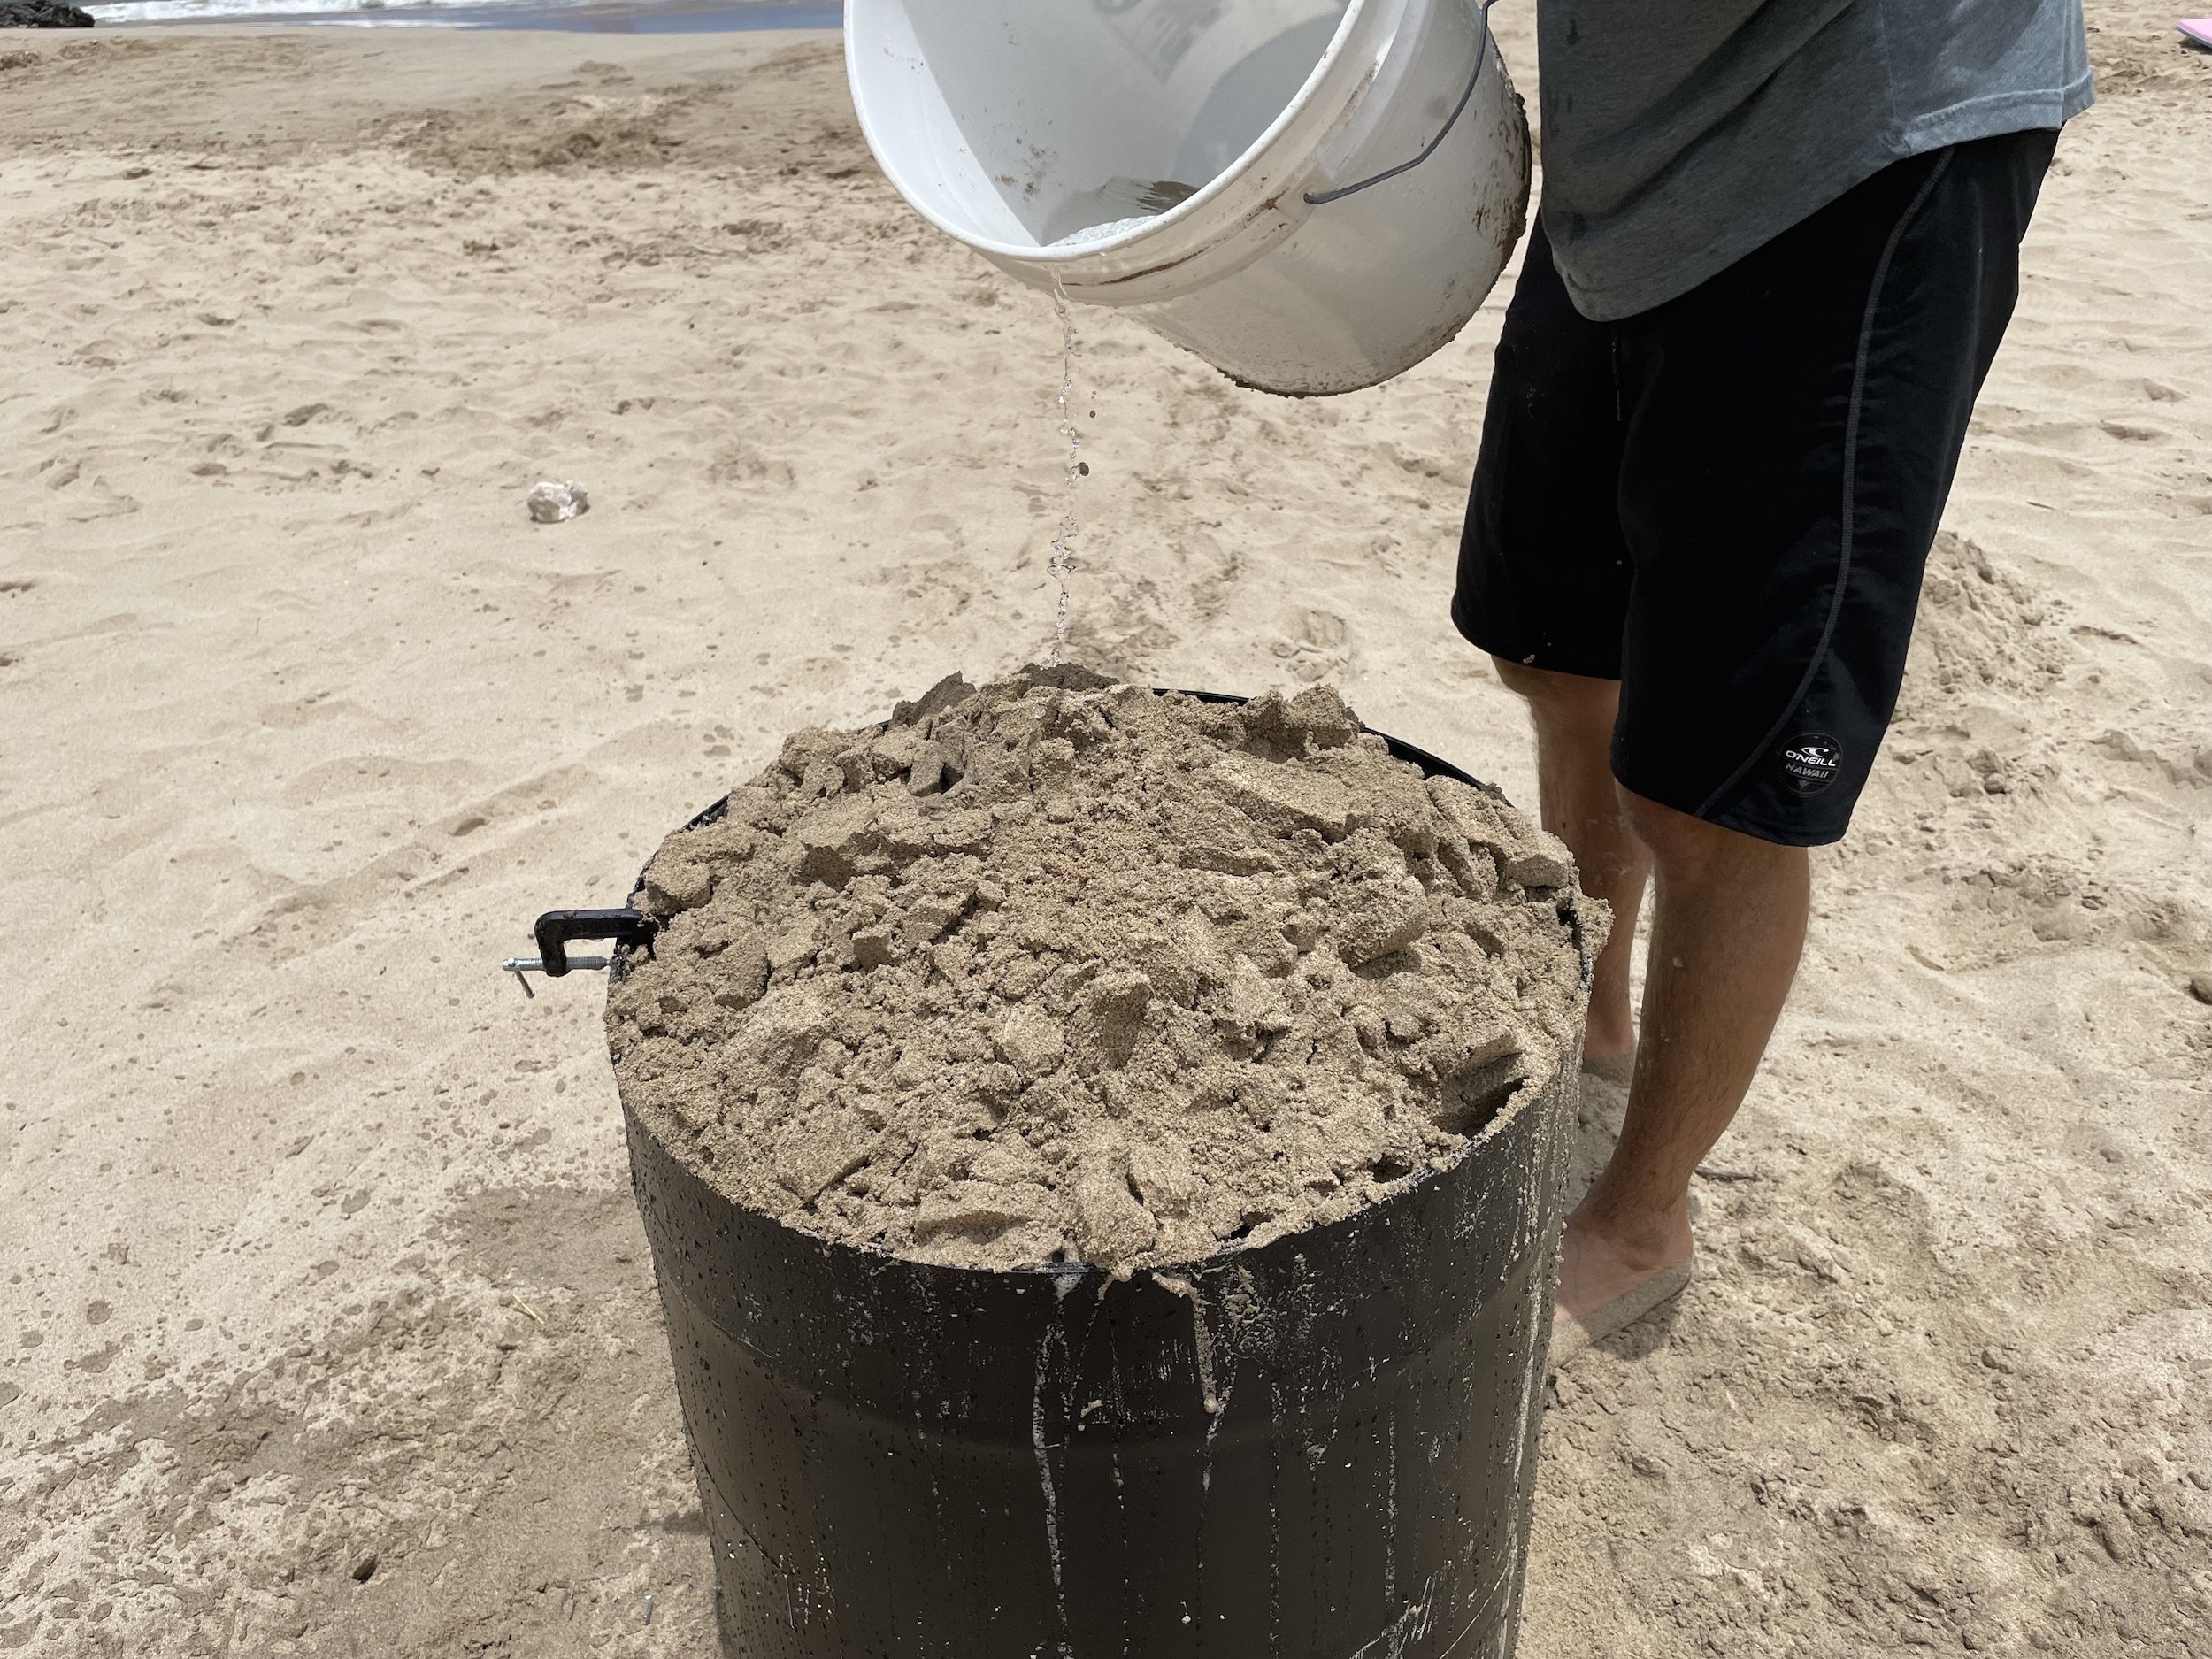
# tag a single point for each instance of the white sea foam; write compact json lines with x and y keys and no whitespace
{"x":726,"y":13}
{"x":195,"y":10}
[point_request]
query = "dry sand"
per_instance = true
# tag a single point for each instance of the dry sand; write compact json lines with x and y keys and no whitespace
{"x":315,"y":1246}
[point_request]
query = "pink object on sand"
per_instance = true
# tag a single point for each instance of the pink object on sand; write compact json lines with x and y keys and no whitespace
{"x":2198,"y":29}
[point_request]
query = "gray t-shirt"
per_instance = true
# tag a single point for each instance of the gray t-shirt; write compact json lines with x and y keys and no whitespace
{"x":1680,"y":134}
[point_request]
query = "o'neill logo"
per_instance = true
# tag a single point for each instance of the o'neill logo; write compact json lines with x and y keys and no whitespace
{"x":1809,"y":764}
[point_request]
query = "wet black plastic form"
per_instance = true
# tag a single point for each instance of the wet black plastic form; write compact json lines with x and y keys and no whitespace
{"x":900,"y":1461}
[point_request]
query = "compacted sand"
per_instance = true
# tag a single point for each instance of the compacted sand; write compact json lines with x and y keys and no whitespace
{"x":327,"y":1325}
{"x":1055,"y":970}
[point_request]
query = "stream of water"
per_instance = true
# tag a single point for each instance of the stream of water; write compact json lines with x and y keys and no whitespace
{"x":1064,"y":543}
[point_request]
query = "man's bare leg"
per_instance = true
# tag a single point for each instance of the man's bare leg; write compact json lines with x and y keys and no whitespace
{"x":1579,"y":804}
{"x":1728,"y":924}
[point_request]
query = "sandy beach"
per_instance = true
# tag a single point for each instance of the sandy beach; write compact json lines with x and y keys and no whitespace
{"x":329,"y":1327}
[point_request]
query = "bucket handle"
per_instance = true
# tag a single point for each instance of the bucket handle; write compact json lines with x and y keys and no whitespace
{"x":1322,"y":198}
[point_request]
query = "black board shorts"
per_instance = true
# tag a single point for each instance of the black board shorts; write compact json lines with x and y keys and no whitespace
{"x":1725,"y":503}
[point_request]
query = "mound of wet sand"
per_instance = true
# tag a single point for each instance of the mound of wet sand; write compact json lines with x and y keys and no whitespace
{"x":1062,"y":970}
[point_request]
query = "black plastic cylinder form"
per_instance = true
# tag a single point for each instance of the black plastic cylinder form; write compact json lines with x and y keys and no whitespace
{"x":1321,"y":1448}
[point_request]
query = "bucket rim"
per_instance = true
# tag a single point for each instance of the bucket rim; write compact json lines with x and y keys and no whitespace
{"x":1067,"y":1275}
{"x":1357,"y":13}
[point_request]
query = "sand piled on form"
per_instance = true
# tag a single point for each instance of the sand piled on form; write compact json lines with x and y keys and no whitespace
{"x":1062,"y":970}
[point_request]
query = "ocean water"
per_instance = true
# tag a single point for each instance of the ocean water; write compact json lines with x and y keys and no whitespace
{"x":615,"y":17}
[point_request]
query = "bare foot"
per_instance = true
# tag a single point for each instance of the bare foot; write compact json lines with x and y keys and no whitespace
{"x":1598,"y":1263}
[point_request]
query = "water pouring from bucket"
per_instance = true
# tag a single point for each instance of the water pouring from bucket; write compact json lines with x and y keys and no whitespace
{"x":1311,"y":194}
{"x":1062,"y":560}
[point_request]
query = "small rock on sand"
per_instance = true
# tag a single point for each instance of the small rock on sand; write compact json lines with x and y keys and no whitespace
{"x":554,"y":503}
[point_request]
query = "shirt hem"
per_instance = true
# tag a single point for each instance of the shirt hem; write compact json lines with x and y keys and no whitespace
{"x":1999,"y":112}
{"x":1989,"y":116}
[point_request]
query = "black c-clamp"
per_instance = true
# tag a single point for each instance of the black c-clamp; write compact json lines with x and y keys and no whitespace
{"x":556,"y":929}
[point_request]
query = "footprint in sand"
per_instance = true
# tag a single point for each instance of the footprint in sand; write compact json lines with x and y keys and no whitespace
{"x":1320,"y":644}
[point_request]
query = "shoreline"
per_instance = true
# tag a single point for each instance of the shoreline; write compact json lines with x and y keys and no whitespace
{"x":576,"y":16}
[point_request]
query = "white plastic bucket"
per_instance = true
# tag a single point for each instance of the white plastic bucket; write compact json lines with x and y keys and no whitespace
{"x":1357,"y":173}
